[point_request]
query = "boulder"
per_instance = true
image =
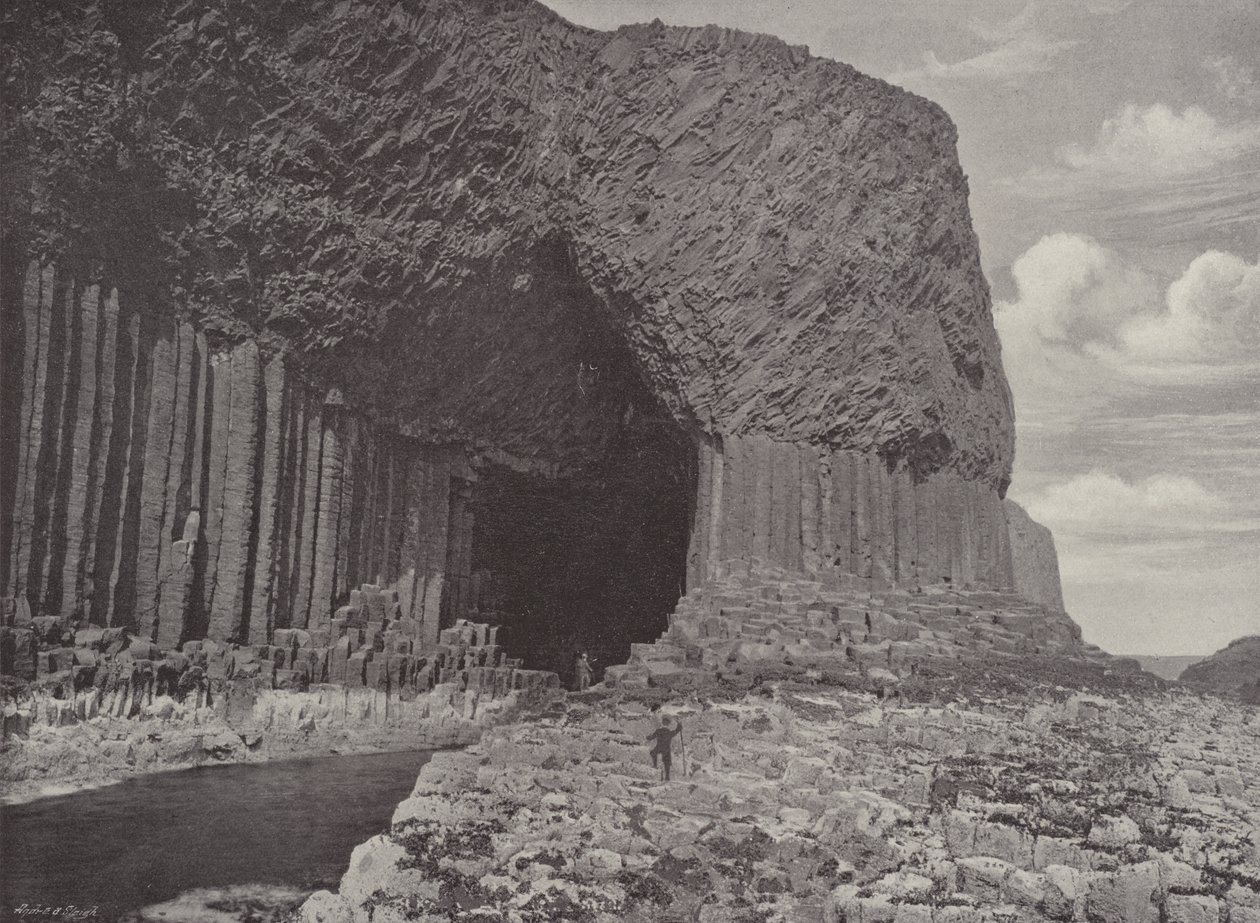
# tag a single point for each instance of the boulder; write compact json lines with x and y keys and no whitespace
{"x":326,"y":907}
{"x":1131,"y":894}
{"x":1113,"y":832}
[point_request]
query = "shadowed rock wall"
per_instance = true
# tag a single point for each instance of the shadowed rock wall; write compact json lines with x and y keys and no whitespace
{"x":781,"y":244}
{"x":363,"y":246}
{"x":192,"y":491}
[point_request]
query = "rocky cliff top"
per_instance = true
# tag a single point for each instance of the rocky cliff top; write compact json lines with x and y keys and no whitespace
{"x":422,"y":199}
{"x":1233,"y":670}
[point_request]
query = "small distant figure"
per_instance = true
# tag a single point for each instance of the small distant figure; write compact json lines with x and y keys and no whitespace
{"x":192,"y":526}
{"x":583,"y":672}
{"x":662,"y":740}
{"x":587,"y":375}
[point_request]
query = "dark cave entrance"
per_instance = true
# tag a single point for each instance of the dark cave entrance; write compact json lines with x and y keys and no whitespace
{"x":586,"y":548}
{"x":585,"y":482}
{"x":592,"y":561}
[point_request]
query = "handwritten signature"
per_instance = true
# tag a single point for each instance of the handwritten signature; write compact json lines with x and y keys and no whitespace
{"x":60,"y":912}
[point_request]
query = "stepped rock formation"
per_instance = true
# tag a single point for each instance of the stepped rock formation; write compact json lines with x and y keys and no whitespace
{"x":504,"y":317}
{"x":1233,"y":670}
{"x":117,"y":711}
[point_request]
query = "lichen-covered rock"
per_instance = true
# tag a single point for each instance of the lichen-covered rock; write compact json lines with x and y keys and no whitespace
{"x":1233,"y":670}
{"x":1113,"y":832}
{"x":797,"y":799}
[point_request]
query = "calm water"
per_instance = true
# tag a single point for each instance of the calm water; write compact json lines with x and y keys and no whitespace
{"x":242,"y":839}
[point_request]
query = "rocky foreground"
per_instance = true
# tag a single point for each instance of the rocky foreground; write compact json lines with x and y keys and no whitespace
{"x":811,"y":802}
{"x":1027,"y":781}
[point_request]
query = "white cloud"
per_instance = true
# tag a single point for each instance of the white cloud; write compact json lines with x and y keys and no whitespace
{"x":1158,"y":142}
{"x":1100,"y":503}
{"x":1023,"y":55}
{"x":1072,"y":289}
{"x":1145,"y":559}
{"x":1212,"y":316}
{"x":1086,"y":325}
{"x":1152,"y":384}
{"x":1234,"y":81}
{"x":1019,"y":48}
{"x":1154,"y":177}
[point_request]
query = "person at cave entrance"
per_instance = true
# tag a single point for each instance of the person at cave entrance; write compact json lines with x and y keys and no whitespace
{"x":662,"y":740}
{"x":583,"y":670}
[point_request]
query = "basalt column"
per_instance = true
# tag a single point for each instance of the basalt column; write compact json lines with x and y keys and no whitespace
{"x":693,"y":267}
{"x":187,"y":489}
{"x":816,"y":509}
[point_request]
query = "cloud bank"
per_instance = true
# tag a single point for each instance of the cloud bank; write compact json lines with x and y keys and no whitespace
{"x":1026,"y":54}
{"x":1211,"y":317}
{"x":1136,"y":399}
{"x":1102,"y":504}
{"x":1084,"y":319}
{"x":1156,"y":142}
{"x":1153,"y":176}
{"x":1019,"y":47}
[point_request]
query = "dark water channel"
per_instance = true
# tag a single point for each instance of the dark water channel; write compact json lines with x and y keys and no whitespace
{"x":214,"y":843}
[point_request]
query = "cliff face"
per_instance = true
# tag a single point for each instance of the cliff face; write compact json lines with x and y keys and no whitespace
{"x":782,"y":243}
{"x":308,"y":295}
{"x":1034,"y":560}
{"x":1233,"y":670}
{"x":189,"y":491}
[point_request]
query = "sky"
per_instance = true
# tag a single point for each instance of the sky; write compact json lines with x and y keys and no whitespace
{"x":1113,"y":153}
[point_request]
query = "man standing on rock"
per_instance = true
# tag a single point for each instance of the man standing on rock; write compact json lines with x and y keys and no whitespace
{"x":583,"y":670}
{"x":663,"y":738}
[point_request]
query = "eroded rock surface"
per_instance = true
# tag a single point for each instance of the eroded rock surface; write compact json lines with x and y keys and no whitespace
{"x":1233,"y":670}
{"x":781,"y":243}
{"x":373,"y":293}
{"x":107,"y":704}
{"x":848,"y":754}
{"x":802,"y":800}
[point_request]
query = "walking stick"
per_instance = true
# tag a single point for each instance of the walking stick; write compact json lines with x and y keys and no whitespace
{"x":682,"y":746}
